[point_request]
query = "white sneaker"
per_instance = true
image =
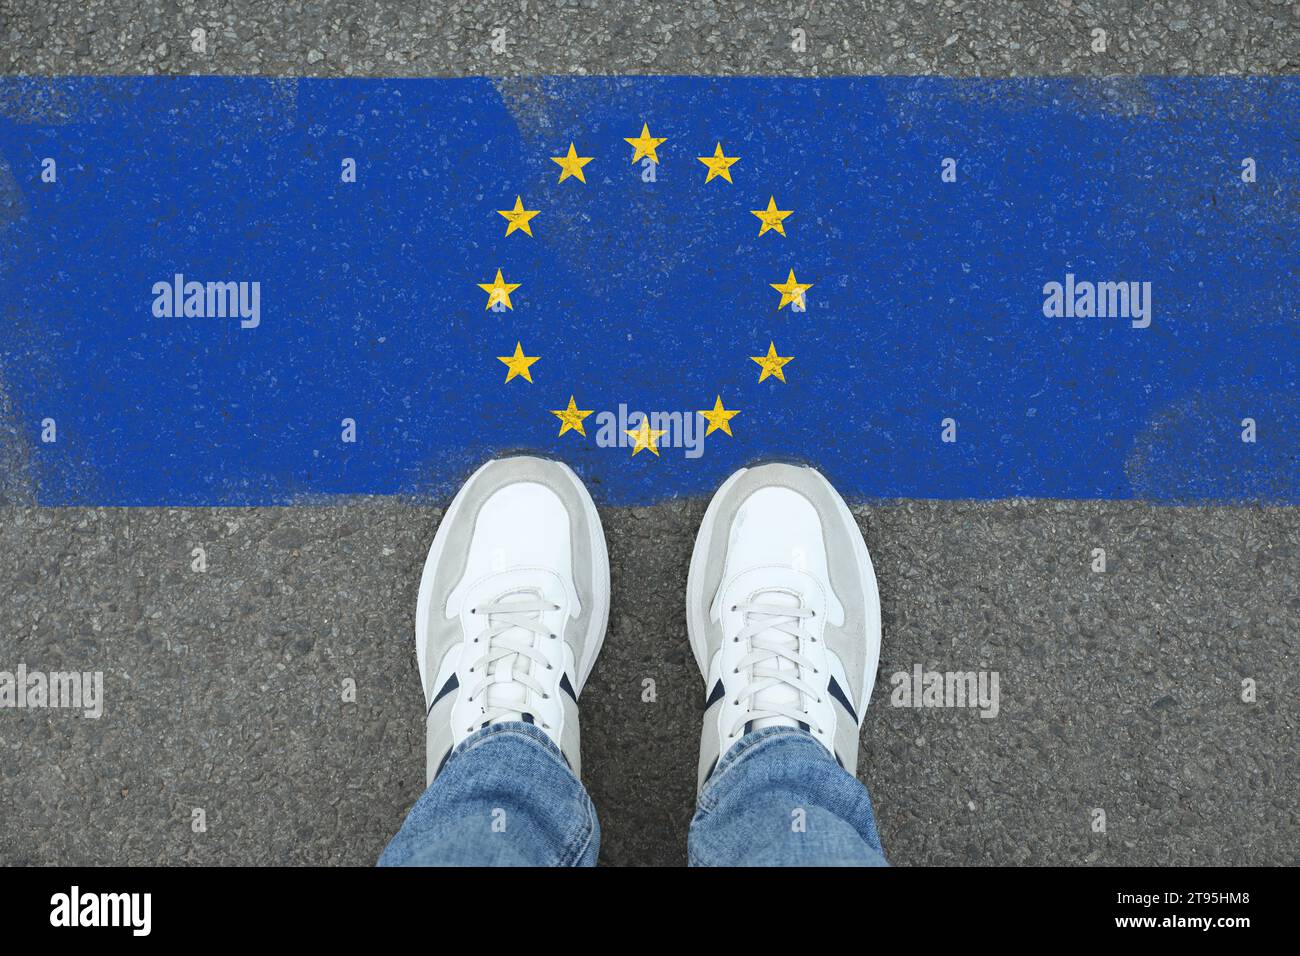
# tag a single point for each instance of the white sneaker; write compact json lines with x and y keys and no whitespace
{"x":513,"y":605}
{"x":783,"y":613}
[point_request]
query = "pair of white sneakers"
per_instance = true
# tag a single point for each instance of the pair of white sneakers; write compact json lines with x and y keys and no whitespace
{"x":781,"y":607}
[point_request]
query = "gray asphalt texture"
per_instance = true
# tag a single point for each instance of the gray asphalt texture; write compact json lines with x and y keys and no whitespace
{"x":1120,"y":691}
{"x":842,"y":37}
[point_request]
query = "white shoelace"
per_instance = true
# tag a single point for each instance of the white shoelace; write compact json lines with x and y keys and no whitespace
{"x":510,"y":656}
{"x":774,"y":665}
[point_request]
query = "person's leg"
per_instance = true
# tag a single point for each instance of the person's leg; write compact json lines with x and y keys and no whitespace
{"x":778,"y":798}
{"x":511,"y":613}
{"x":506,"y":797}
{"x":784,"y":619}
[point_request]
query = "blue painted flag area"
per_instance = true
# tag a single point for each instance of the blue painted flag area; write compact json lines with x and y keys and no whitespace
{"x":232,"y":291}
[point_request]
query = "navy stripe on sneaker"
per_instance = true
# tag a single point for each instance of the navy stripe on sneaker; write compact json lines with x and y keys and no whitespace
{"x":838,"y":693}
{"x":567,"y":687}
{"x":443,"y":762}
{"x":715,"y":695}
{"x":447,"y":688}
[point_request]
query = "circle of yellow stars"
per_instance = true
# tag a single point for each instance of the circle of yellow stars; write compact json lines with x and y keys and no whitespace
{"x":645,"y":146}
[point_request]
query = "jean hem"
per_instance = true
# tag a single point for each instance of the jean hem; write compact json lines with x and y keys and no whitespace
{"x":572,"y":853}
{"x":513,"y":728}
{"x":744,"y":748}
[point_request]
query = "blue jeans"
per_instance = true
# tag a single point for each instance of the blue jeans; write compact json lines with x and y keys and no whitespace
{"x":506,"y":796}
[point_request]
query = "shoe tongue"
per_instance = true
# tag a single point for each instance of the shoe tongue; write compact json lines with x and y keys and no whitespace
{"x":505,"y":691}
{"x":782,"y":694}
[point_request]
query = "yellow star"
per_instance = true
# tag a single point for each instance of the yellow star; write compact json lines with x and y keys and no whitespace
{"x":771,"y":217}
{"x":791,"y":291}
{"x":572,"y":164}
{"x":518,"y":217}
{"x":771,"y":363}
{"x":645,"y":144}
{"x":645,"y":437}
{"x":719,"y":417}
{"x":518,"y":363}
{"x":499,"y":291}
{"x":719,"y":165}
{"x":571,"y":418}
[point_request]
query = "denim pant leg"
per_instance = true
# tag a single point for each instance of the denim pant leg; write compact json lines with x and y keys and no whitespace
{"x":505,"y":797}
{"x":778,"y":798}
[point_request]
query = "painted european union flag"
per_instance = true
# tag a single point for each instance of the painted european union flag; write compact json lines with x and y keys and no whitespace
{"x":253,"y":291}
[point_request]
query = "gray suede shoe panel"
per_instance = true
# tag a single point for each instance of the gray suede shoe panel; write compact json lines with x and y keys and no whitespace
{"x":709,"y":754}
{"x":438,"y":740}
